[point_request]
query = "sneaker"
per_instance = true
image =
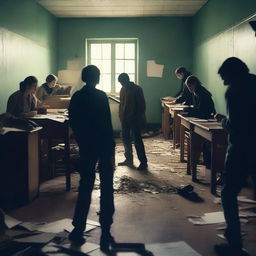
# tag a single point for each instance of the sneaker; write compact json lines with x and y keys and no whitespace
{"x":142,"y":167}
{"x":226,"y":250}
{"x":126,"y":163}
{"x":77,"y":237}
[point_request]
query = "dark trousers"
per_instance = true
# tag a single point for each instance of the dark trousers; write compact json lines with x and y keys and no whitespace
{"x":88,"y":162}
{"x":238,"y":167}
{"x":127,"y":131}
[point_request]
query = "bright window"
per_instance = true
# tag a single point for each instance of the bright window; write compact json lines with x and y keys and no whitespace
{"x":113,"y":57}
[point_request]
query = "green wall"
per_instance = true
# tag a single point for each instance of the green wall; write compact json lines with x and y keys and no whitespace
{"x":220,"y":31}
{"x":27,"y":44}
{"x":168,"y":41}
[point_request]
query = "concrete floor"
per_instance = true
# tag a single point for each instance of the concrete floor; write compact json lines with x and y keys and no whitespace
{"x":142,"y":217}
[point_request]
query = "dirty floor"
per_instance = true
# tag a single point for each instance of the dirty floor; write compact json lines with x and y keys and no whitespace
{"x":148,"y":209}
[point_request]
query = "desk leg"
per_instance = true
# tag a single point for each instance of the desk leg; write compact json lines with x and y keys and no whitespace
{"x":67,"y":159}
{"x":177,"y":129}
{"x":196,"y":142}
{"x":166,"y":130}
{"x":50,"y":159}
{"x":214,"y":160}
{"x":182,"y":139}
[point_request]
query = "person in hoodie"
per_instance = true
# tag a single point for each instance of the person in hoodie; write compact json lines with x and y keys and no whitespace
{"x":184,"y":95}
{"x":203,"y":105}
{"x":240,"y":157}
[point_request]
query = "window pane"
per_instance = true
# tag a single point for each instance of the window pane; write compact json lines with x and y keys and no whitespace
{"x":119,"y":51}
{"x":106,"y":51}
{"x":106,"y":66}
{"x":117,"y":84}
{"x":129,"y":66}
{"x":129,"y":51}
{"x":119,"y":66}
{"x":97,"y":63}
{"x":95,"y":51}
{"x":105,"y":82}
{"x":132,"y":77}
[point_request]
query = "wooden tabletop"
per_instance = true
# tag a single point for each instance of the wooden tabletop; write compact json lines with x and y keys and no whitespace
{"x":208,"y":125}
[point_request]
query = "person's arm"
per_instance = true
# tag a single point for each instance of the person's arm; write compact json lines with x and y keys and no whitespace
{"x":205,"y":108}
{"x":178,"y":94}
{"x":184,"y":96}
{"x":140,"y":103}
{"x":105,"y":124}
{"x":11,"y":105}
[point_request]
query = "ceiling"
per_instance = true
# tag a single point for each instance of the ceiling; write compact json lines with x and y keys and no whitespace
{"x":122,"y":8}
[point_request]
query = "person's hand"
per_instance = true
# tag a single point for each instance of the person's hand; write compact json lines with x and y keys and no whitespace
{"x":219,"y":117}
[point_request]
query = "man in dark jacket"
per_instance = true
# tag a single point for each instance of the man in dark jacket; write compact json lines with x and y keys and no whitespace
{"x":133,"y":120}
{"x":184,"y":95}
{"x":203,"y":105}
{"x":239,"y":163}
{"x":90,"y":121}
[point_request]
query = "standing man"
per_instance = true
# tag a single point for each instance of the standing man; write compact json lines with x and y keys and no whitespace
{"x":239,"y":163}
{"x":90,"y":121}
{"x":133,"y":120}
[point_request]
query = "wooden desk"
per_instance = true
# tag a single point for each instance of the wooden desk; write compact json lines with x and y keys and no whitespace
{"x":185,"y":124}
{"x":19,"y":170}
{"x":174,"y":111}
{"x":166,"y":118}
{"x":56,"y":129}
{"x":213,"y":132}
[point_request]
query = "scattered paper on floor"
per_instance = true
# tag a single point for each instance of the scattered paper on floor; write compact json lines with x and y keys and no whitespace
{"x":180,"y":248}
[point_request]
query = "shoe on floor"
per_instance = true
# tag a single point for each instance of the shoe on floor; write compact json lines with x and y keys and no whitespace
{"x":126,"y":163}
{"x":106,"y":241}
{"x":226,"y":250}
{"x":142,"y":167}
{"x":77,"y":237}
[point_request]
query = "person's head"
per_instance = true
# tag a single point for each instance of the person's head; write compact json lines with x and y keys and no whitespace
{"x":192,"y":83}
{"x":51,"y":80}
{"x":124,"y":79}
{"x":29,"y":85}
{"x":181,"y":72}
{"x":91,"y":75}
{"x":232,"y":70}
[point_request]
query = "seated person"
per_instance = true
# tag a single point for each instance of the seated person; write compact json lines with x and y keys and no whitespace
{"x":51,"y":88}
{"x":184,"y":95}
{"x":203,"y":105}
{"x":24,"y":102}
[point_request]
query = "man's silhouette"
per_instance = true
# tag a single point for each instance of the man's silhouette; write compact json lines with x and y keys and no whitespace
{"x":239,"y":163}
{"x":133,"y":119}
{"x":90,"y":121}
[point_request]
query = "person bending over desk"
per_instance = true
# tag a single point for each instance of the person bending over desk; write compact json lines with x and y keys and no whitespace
{"x":24,"y":102}
{"x":203,"y":108}
{"x":184,"y":95}
{"x":203,"y":105}
{"x":50,"y":87}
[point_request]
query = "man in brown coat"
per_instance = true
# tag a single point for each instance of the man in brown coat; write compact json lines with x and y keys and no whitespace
{"x":132,"y":116}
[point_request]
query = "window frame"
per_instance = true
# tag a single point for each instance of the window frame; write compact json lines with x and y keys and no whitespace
{"x":113,"y":41}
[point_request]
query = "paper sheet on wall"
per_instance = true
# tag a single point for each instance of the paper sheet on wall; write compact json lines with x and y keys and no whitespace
{"x":153,"y":69}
